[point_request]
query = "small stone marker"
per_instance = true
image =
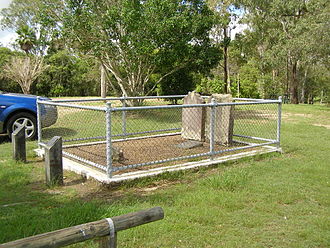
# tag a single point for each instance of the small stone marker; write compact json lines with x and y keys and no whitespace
{"x":193,"y":119}
{"x":53,"y":161}
{"x":224,"y":120}
{"x":19,"y":144}
{"x":117,"y":154}
{"x":189,"y":144}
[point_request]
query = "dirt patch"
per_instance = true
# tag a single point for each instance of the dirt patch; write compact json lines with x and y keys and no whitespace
{"x":321,"y":125}
{"x":142,"y":151}
{"x":287,"y":115}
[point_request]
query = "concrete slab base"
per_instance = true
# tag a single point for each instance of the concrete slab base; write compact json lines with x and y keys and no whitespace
{"x":90,"y":172}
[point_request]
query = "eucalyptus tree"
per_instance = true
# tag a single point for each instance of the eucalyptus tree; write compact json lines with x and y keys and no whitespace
{"x":289,"y":35}
{"x":225,"y":16}
{"x":135,"y":39}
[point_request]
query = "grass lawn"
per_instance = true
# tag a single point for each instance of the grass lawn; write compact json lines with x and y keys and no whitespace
{"x":278,"y":200}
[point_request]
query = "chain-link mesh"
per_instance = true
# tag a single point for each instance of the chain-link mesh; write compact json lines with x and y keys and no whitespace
{"x":154,"y":136}
{"x":156,"y":132}
{"x":78,"y":127}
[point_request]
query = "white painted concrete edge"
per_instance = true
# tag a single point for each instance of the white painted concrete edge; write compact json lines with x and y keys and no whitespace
{"x":89,"y":172}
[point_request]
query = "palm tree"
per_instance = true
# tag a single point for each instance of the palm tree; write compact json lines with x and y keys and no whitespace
{"x":26,"y":38}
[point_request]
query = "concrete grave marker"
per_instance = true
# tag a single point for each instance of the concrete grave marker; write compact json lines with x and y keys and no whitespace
{"x":224,"y":120}
{"x":193,"y":119}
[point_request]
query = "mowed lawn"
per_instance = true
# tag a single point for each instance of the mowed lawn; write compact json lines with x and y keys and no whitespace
{"x":278,"y":200}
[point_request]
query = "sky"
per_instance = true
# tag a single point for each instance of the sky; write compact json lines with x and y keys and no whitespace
{"x":6,"y":36}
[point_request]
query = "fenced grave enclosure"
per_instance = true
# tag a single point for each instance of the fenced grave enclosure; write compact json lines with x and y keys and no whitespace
{"x":121,"y":138}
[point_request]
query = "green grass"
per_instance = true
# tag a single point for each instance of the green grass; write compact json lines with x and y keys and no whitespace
{"x":278,"y":200}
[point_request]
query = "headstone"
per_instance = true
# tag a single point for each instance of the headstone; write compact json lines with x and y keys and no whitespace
{"x":193,"y":119}
{"x":224,"y":120}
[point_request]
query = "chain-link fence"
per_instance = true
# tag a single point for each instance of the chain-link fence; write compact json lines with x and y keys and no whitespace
{"x":119,"y":135}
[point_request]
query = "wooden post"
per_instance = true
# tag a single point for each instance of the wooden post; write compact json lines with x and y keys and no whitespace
{"x":106,"y":242}
{"x":87,"y":231}
{"x":53,"y":161}
{"x":19,"y":144}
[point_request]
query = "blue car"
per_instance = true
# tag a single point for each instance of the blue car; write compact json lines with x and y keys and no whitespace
{"x":21,"y":110}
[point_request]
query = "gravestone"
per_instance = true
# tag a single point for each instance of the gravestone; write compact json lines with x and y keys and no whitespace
{"x":193,"y":118}
{"x":224,"y":120}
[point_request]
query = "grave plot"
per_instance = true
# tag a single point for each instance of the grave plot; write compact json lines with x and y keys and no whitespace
{"x":140,"y":136}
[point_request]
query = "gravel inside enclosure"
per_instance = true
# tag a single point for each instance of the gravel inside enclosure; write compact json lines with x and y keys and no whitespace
{"x":142,"y":151}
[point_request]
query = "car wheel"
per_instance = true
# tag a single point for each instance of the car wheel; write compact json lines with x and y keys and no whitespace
{"x":27,"y":120}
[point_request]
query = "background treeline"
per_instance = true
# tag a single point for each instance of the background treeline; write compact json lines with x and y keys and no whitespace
{"x":172,"y":47}
{"x":66,"y":75}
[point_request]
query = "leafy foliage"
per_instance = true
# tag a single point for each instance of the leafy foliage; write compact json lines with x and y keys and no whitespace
{"x":134,"y":39}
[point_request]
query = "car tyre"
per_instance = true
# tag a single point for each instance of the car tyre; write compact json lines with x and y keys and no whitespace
{"x":26,"y":119}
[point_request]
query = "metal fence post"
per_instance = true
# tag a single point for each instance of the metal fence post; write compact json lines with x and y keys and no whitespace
{"x":123,"y":117}
{"x":39,"y":122}
{"x":108,"y":139}
{"x":212,"y":127}
{"x":279,"y":116}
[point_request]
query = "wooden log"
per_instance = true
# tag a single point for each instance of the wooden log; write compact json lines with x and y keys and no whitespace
{"x":19,"y":144}
{"x":75,"y":234}
{"x":53,"y":161}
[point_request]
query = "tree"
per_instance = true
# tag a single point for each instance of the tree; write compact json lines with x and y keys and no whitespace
{"x":225,"y":18}
{"x":24,"y":71}
{"x":5,"y":83}
{"x":133,"y":39}
{"x":69,"y":75}
{"x":285,"y":31}
{"x":31,"y":20}
{"x":26,"y":38}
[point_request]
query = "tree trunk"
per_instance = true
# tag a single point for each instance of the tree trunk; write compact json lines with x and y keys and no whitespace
{"x":294,"y":84}
{"x":226,"y":62}
{"x":287,"y":88}
{"x":238,"y":85}
{"x":103,"y":83}
{"x":303,"y":89}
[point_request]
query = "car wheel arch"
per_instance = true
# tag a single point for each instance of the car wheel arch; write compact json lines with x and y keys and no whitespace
{"x":17,"y":111}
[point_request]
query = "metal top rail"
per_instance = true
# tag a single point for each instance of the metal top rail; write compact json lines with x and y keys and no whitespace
{"x":250,"y":99}
{"x":143,"y":97}
{"x":63,"y":103}
{"x":119,"y":98}
{"x":72,"y":105}
{"x":194,"y":105}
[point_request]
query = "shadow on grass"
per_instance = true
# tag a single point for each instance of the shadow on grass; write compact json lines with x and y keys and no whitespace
{"x":58,"y":131}
{"x":4,"y":139}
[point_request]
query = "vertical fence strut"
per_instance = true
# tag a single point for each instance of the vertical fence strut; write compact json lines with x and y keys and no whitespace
{"x":279,"y":116}
{"x":124,"y":117}
{"x":212,"y":127}
{"x":108,"y":139}
{"x":39,"y":122}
